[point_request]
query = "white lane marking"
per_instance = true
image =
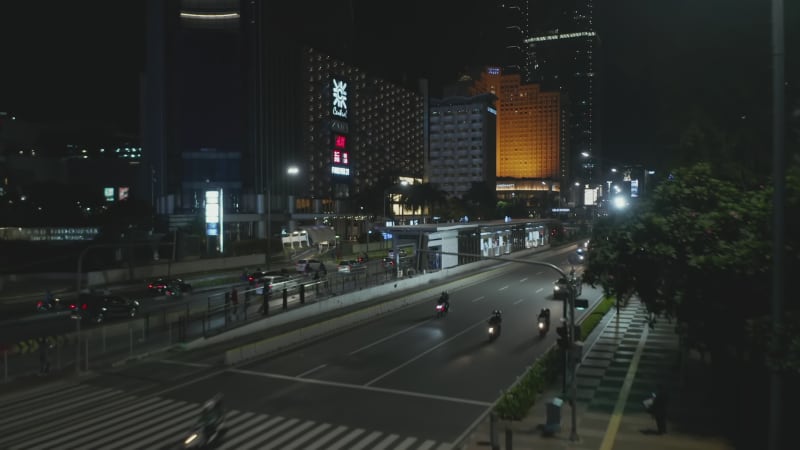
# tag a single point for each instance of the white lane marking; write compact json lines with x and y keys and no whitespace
{"x":427,"y":445}
{"x":388,"y":337}
{"x":112,"y":436}
{"x":406,"y":443}
{"x":345,"y":439}
{"x":386,"y":441}
{"x":98,"y":423}
{"x":234,"y":442}
{"x":327,"y":437}
{"x":63,"y":405}
{"x":288,"y":435}
{"x":523,"y":280}
{"x":361,"y":387}
{"x":481,"y":322}
{"x":301,"y":440}
{"x":539,"y":273}
{"x":478,"y":299}
{"x":539,"y":290}
{"x":184,"y":363}
{"x":362,"y":444}
{"x":503,"y":288}
{"x":321,"y":366}
{"x":183,"y":416}
{"x":517,"y":302}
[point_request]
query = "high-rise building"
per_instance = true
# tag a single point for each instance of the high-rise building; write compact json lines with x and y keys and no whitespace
{"x":462,"y":142}
{"x":235,"y":97}
{"x":561,"y":58}
{"x":530,"y":146}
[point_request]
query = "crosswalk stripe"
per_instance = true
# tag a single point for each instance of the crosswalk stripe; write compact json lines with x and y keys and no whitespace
{"x":173,"y":424}
{"x":386,"y":441}
{"x":117,"y":424}
{"x":345,"y":439}
{"x":231,"y":443}
{"x":119,"y":419}
{"x":111,"y":435}
{"x":58,"y":407}
{"x":362,"y":444}
{"x":46,"y":391}
{"x":326,"y":437}
{"x":264,"y":437}
{"x":26,"y":404}
{"x":406,"y":443}
{"x":288,"y":435}
{"x":310,"y":435}
{"x":55,"y":429}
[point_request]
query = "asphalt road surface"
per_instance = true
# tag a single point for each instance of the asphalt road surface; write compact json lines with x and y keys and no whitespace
{"x":404,"y":381}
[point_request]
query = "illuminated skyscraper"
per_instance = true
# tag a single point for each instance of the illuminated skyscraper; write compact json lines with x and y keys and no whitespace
{"x":561,"y":58}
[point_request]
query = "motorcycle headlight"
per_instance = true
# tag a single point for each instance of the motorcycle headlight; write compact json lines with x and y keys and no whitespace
{"x":556,"y":288}
{"x":541,"y":324}
{"x":192,"y":437}
{"x":491,"y":329}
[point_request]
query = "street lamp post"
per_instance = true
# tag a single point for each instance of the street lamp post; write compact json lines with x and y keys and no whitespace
{"x":290,"y":171}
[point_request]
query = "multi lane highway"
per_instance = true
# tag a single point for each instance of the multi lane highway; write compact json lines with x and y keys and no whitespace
{"x":404,"y":381}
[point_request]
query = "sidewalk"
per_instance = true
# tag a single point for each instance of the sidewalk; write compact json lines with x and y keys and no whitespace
{"x":627,"y":361}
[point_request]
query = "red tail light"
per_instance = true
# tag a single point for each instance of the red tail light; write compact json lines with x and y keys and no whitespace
{"x":39,"y":303}
{"x":73,"y":306}
{"x":84,"y":306}
{"x":150,"y":286}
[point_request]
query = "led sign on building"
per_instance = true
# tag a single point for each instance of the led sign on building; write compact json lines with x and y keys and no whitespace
{"x":340,"y":157}
{"x":214,"y":215}
{"x":339,"y":99}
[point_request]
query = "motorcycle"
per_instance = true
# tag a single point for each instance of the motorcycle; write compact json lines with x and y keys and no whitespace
{"x":47,"y":304}
{"x":494,"y":330}
{"x":441,"y":309}
{"x":544,"y":326}
{"x":206,"y":431}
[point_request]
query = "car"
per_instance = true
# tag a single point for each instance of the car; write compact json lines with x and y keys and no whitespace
{"x":309,"y":265}
{"x":402,"y":253}
{"x":275,"y":284}
{"x":350,"y":265}
{"x":560,"y":288}
{"x":97,"y":308}
{"x":169,"y":286}
{"x":388,"y":263}
{"x":255,"y":277}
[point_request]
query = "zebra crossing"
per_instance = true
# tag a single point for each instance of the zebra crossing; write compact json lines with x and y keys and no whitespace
{"x":79,"y":416}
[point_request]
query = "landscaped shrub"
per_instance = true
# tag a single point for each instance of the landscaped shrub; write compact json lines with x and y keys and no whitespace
{"x":515,"y":403}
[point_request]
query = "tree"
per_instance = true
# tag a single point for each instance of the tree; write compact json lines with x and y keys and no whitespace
{"x":698,"y":250}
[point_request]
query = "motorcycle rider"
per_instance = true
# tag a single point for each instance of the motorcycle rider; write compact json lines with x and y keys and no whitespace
{"x":544,"y":315}
{"x":497,"y":317}
{"x":212,"y":415}
{"x":445,"y":300}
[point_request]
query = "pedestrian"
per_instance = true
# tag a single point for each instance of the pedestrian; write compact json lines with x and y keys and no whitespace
{"x":322,"y":268}
{"x":227,"y":307}
{"x":659,"y":409}
{"x":44,"y":359}
{"x":235,"y":301}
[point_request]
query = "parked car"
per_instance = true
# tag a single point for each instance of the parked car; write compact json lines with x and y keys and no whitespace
{"x":402,"y":253}
{"x":388,"y":263}
{"x":561,"y":288}
{"x":275,"y":284}
{"x":255,"y":277}
{"x":306,"y":264}
{"x":169,"y":286}
{"x":350,"y":265}
{"x":98,"y":308}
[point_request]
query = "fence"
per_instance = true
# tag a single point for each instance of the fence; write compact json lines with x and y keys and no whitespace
{"x":89,"y":346}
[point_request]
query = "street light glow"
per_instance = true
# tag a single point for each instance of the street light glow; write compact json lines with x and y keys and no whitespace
{"x":620,"y":202}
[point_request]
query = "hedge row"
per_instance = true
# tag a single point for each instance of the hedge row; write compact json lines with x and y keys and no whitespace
{"x":515,"y":403}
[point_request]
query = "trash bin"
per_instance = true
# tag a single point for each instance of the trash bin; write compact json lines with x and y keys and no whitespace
{"x":553,"y":424}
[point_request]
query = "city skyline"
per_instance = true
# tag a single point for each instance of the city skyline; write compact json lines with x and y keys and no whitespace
{"x":83,"y":60}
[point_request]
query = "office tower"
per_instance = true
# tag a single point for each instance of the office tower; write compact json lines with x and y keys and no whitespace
{"x":462,"y":142}
{"x":530,"y":147}
{"x":561,"y":58}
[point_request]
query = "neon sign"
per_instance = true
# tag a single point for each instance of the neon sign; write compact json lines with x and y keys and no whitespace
{"x":339,"y":91}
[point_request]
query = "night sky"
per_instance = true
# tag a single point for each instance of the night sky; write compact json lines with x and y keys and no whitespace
{"x":81,"y":59}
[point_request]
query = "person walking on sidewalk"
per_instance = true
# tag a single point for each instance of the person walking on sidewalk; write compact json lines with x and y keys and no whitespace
{"x":235,"y":301}
{"x":659,"y":409}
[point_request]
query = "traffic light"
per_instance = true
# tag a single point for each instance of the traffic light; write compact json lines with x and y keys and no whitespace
{"x":563,"y":339}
